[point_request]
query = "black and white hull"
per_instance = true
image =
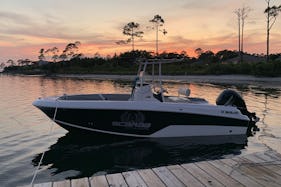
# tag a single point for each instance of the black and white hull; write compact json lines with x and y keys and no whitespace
{"x":147,"y":112}
{"x":144,"y":118}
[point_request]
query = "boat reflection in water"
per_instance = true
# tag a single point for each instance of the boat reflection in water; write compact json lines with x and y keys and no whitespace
{"x":110,"y":154}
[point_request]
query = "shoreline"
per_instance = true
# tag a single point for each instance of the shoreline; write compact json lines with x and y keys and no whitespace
{"x":223,"y":79}
{"x":212,"y":79}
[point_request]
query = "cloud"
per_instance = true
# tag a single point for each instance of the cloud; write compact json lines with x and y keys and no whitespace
{"x":14,"y":18}
{"x":209,"y":5}
{"x":22,"y":26}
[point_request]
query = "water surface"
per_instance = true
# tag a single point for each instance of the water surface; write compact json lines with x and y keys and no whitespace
{"x":25,"y":131}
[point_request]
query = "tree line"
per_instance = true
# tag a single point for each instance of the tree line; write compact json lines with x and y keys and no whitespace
{"x":53,"y":54}
{"x":124,"y":64}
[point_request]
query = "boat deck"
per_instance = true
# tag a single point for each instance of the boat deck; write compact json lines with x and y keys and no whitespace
{"x":257,"y":169}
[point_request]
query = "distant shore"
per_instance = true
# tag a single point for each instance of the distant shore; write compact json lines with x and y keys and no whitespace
{"x":223,"y":79}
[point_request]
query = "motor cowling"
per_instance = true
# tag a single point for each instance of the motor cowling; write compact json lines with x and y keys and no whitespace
{"x":232,"y":98}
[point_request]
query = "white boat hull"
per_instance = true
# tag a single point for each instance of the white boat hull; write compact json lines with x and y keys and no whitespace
{"x":145,"y":119}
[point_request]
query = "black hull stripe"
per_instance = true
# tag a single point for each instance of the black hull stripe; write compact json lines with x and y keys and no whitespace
{"x":72,"y":127}
{"x":136,"y":122}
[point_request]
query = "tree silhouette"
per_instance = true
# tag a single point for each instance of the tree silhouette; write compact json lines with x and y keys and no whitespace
{"x":226,"y":54}
{"x":207,"y":57}
{"x":158,"y":22}
{"x":271,"y":15}
{"x":198,"y":51}
{"x":242,"y":14}
{"x":132,"y":30}
{"x":20,"y":62}
{"x":63,"y":57}
{"x":2,"y":65}
{"x":70,"y":51}
{"x":24,"y":62}
{"x":238,"y":13}
{"x":127,"y":58}
{"x":41,"y":54}
{"x":10,"y":62}
{"x":173,"y":55}
{"x":53,"y":52}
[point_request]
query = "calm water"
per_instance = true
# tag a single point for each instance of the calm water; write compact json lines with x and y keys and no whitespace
{"x":25,"y":132}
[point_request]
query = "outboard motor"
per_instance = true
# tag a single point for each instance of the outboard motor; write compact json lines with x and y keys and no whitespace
{"x":232,"y":98}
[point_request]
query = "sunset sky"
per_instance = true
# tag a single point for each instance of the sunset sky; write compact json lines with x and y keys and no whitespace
{"x":26,"y":26}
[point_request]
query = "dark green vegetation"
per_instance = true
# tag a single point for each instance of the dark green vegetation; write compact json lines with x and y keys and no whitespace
{"x":223,"y":62}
